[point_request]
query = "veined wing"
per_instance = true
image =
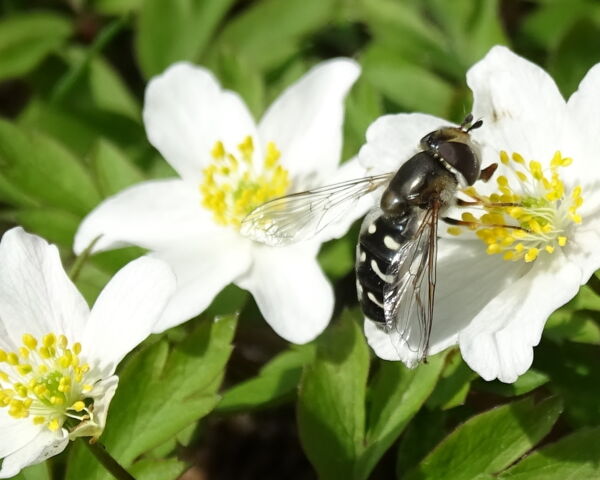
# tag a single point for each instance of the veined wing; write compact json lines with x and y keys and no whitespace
{"x":409,"y":298}
{"x":301,"y":216}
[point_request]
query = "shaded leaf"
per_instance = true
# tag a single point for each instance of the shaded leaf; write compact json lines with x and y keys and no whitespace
{"x":26,"y":39}
{"x":160,"y":393}
{"x":270,"y":31}
{"x":574,"y":457}
{"x":396,"y":395}
{"x":276,"y":381}
{"x":175,"y":30}
{"x":490,"y":442}
{"x":331,"y":400}
{"x":409,"y":85}
{"x":113,"y":170}
{"x":45,"y":170}
{"x":454,"y":384}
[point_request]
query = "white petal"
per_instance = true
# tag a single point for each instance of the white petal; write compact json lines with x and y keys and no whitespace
{"x":126,"y":311}
{"x":393,"y":139}
{"x":102,"y":394}
{"x":349,"y":211}
{"x":186,"y":111}
{"x":45,"y":445}
{"x":583,"y":248}
{"x":499,"y":341}
{"x":36,"y":296}
{"x":15,"y":433}
{"x":305,"y":122}
{"x":203,"y":266}
{"x":151,"y":214}
{"x":584,"y":108}
{"x":467,"y":279}
{"x":521,"y":108}
{"x":291,"y":291}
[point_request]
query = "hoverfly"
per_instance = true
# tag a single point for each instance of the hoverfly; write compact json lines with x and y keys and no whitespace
{"x":396,"y":251}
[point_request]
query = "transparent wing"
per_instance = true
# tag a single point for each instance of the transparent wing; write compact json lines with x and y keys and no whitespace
{"x":409,"y":297}
{"x":301,"y":216}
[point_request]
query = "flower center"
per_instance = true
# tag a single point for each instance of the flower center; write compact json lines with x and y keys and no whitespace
{"x":233,"y":185}
{"x":45,"y":381}
{"x":534,"y":217}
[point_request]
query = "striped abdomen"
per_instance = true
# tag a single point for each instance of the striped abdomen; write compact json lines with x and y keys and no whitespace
{"x":379,"y":240}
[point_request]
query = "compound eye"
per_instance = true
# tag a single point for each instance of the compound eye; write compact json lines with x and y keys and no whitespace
{"x":462,"y":158}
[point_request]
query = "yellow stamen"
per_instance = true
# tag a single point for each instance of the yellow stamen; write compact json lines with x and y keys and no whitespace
{"x":541,"y":211}
{"x":232,"y":188}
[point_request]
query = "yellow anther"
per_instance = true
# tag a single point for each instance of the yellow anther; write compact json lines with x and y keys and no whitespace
{"x":517,"y":158}
{"x":78,"y":406}
{"x":77,"y":348}
{"x":531,"y":254}
{"x":504,"y":157}
{"x":218,"y":150}
{"x":3,"y":356}
{"x":29,"y":341}
{"x":562,"y":241}
{"x":53,"y":425}
{"x":49,"y":340}
{"x":39,"y":420}
{"x":12,"y":359}
{"x":24,"y":352}
{"x":454,"y":231}
{"x":62,"y":341}
{"x":235,"y":188}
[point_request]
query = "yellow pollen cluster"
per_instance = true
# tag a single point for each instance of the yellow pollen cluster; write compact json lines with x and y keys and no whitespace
{"x":234,"y":185}
{"x":522,"y":225}
{"x":44,"y":380}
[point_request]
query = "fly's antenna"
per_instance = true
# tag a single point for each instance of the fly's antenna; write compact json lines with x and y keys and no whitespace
{"x":476,"y":125}
{"x":467,"y":125}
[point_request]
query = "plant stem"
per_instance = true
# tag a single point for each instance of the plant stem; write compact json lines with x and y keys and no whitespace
{"x":81,"y":259}
{"x":107,"y":460}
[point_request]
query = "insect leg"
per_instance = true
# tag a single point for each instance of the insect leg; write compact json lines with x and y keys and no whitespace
{"x":475,"y":225}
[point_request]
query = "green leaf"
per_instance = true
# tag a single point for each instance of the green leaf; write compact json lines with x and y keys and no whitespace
{"x":45,"y":170}
{"x":575,"y":55}
{"x":578,"y":327}
{"x":276,"y":381}
{"x":410,"y":35}
{"x":116,"y":7}
{"x":109,"y":90}
{"x":454,"y":384}
{"x":337,"y":257}
{"x":574,"y":371}
{"x":363,"y":106}
{"x":270,"y":31}
{"x":113,"y":170}
{"x":396,"y":395}
{"x":26,"y":39}
{"x":160,"y":393}
{"x":527,"y":382}
{"x":175,"y":30}
{"x":574,"y":457}
{"x":409,"y":85}
{"x":489,"y":442}
{"x":331,"y":403}
{"x":240,"y":75}
{"x":472,"y":27}
{"x":151,"y":469}
{"x":56,"y":226}
{"x":35,"y":472}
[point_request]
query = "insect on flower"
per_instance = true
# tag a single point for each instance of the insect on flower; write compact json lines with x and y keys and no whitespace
{"x":396,"y":251}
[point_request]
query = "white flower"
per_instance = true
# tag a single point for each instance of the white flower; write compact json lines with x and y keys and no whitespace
{"x":496,"y":286}
{"x":57,"y":359}
{"x":228,"y":165}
